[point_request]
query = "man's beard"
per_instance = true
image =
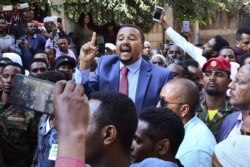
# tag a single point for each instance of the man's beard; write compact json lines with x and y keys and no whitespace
{"x":215,"y":92}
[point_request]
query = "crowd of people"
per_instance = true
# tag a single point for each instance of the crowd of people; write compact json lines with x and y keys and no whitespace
{"x":120,"y":102}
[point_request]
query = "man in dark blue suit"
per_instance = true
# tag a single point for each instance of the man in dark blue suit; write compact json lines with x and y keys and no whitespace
{"x":240,"y":98}
{"x":144,"y":79}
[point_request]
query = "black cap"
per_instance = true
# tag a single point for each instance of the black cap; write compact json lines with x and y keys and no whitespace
{"x":65,"y":59}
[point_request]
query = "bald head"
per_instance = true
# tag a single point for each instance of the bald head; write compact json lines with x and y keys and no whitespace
{"x":183,"y":91}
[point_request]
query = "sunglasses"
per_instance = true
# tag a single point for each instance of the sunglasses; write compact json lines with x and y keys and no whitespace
{"x":164,"y":103}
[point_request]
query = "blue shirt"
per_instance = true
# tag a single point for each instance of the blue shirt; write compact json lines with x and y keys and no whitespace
{"x":154,"y":162}
{"x":197,"y":146}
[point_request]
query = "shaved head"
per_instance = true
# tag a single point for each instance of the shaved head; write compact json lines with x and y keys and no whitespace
{"x":183,"y":91}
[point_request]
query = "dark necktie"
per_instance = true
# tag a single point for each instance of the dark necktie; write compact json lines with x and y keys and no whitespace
{"x":123,"y":88}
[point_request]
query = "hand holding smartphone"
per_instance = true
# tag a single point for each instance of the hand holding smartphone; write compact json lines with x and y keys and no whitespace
{"x":186,"y":26}
{"x":157,"y":13}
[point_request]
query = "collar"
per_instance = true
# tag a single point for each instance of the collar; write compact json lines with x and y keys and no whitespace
{"x":191,"y":122}
{"x":239,"y":119}
{"x":225,"y":107}
{"x":133,"y":68}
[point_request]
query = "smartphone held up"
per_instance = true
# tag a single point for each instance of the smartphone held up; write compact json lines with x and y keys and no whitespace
{"x":32,"y":94}
{"x":157,"y":13}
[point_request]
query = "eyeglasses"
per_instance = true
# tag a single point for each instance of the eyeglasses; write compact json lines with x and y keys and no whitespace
{"x":164,"y":103}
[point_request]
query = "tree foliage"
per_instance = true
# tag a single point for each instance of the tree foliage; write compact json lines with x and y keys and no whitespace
{"x":202,"y":10}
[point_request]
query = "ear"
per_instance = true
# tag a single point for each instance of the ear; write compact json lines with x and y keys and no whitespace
{"x":237,"y":43}
{"x":214,"y":54}
{"x":109,"y":134}
{"x":184,"y":110}
{"x":162,"y":147}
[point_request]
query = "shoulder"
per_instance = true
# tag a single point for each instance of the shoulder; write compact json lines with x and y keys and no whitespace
{"x":109,"y":59}
{"x":231,"y":116}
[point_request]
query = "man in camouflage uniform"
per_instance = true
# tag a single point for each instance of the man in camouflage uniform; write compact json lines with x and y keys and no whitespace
{"x":214,"y":107}
{"x":18,"y":128}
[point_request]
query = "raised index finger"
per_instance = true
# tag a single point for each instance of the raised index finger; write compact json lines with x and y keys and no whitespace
{"x":93,"y":39}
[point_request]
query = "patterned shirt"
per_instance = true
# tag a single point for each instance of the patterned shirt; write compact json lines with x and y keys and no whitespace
{"x":214,"y":124}
{"x":18,"y":129}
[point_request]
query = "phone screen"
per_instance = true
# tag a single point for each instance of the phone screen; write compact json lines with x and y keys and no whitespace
{"x":157,"y":13}
{"x":186,"y":26}
{"x":32,"y":94}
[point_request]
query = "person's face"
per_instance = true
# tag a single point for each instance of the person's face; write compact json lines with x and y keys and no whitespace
{"x":247,"y":61}
{"x":51,"y":55}
{"x":142,"y":146}
{"x":129,"y":45}
{"x":177,"y":70}
{"x":175,"y":52}
{"x":49,"y":26}
{"x":94,"y":143}
{"x":158,"y":61}
{"x":66,"y":67}
{"x":216,"y":82}
{"x":245,"y":128}
{"x":208,"y":48}
{"x":42,"y":56}
{"x":26,"y":17}
{"x":169,"y":100}
{"x":196,"y":76}
{"x":37,"y":68}
{"x":86,"y":19}
{"x":9,"y":72}
{"x":31,"y":26}
{"x":228,"y":54}
{"x":240,"y":94}
{"x":7,"y":14}
{"x":215,"y":162}
{"x":244,"y":42}
{"x":63,"y":45}
{"x":32,"y":14}
{"x":146,"y":49}
{"x":2,"y":25}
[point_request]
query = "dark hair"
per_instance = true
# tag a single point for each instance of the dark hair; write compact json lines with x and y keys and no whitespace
{"x":41,"y":51}
{"x":163,"y":124}
{"x":81,"y":18}
{"x":118,"y":110}
{"x":240,"y":31}
{"x":16,"y":65}
{"x":226,"y":47}
{"x":243,"y":57}
{"x":39,"y":60}
{"x":183,"y":65}
{"x":220,"y":42}
{"x":2,"y":18}
{"x":192,"y":63}
{"x":133,"y":26}
{"x":52,"y":76}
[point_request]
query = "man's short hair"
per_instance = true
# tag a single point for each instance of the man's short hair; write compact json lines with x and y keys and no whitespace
{"x":240,"y":31}
{"x":220,"y":42}
{"x":243,"y":57}
{"x":133,"y":26}
{"x":35,"y":60}
{"x":14,"y":64}
{"x":163,"y":124}
{"x":52,"y":76}
{"x":192,"y":63}
{"x":2,"y":18}
{"x":225,"y":47}
{"x":118,"y":110}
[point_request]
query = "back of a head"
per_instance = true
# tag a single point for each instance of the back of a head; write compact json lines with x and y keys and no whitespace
{"x":242,"y":30}
{"x":243,"y":57}
{"x":118,"y":110}
{"x":184,"y":89}
{"x":192,"y":63}
{"x":52,"y":76}
{"x":220,"y":42}
{"x":163,"y":124}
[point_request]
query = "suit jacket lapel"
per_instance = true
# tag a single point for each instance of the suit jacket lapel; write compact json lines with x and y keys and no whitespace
{"x":114,"y":86}
{"x":143,"y":81}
